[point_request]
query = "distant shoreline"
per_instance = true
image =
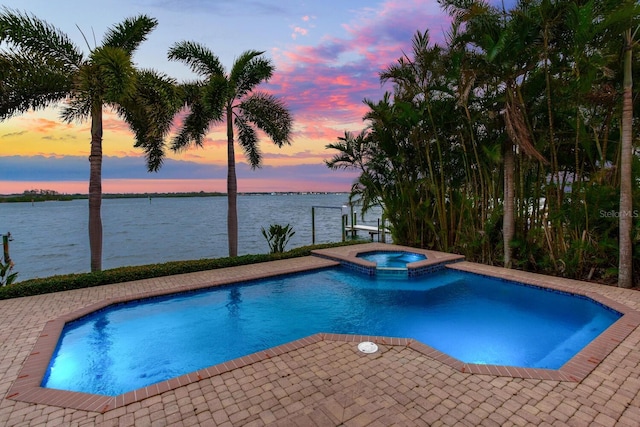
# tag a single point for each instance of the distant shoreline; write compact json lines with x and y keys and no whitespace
{"x":21,"y":198}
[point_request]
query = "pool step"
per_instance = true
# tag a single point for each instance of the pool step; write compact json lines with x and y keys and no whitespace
{"x":572,"y":345}
{"x":392,"y":273}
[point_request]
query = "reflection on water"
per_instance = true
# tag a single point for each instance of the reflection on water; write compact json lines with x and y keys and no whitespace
{"x":235,"y":299}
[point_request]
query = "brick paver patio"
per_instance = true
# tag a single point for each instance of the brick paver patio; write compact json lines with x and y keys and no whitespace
{"x":324,"y":380}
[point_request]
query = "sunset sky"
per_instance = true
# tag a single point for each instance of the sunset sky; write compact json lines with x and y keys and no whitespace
{"x":327,"y":55}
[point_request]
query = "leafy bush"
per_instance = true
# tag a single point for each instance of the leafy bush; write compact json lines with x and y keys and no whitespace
{"x":6,"y":276}
{"x":277,"y":237}
{"x":126,"y":274}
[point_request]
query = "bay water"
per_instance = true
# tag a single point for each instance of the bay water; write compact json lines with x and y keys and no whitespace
{"x":51,"y":238}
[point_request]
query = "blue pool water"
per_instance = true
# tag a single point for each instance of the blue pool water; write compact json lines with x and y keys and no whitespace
{"x":397,"y":259}
{"x":472,"y":318}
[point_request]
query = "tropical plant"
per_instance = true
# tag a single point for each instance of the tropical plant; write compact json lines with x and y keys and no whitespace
{"x":41,"y":67}
{"x":511,"y":132}
{"x":625,"y":263}
{"x":629,"y":13}
{"x":233,"y":96}
{"x":277,"y":237}
{"x":506,"y":46}
{"x":6,"y":276}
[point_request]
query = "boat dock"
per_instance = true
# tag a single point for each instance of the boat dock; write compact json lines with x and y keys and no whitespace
{"x":371,"y":229}
{"x":349,"y":224}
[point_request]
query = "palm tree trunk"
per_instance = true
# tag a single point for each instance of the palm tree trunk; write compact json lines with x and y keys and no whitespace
{"x":508,"y":225}
{"x":625,"y":266}
{"x":232,"y":189}
{"x":95,"y":189}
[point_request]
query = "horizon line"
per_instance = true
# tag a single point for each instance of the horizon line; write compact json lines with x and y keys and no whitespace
{"x":178,"y":192}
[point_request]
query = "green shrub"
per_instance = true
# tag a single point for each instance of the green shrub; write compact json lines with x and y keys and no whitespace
{"x":6,"y":276}
{"x":277,"y":237}
{"x":127,"y":274}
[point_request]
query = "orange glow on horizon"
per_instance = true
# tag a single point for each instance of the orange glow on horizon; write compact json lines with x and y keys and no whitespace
{"x":42,"y":134}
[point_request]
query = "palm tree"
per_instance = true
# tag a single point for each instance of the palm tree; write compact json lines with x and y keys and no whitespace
{"x":506,"y":44}
{"x":629,"y":11}
{"x":625,"y":264}
{"x":41,"y":67}
{"x":232,"y":96}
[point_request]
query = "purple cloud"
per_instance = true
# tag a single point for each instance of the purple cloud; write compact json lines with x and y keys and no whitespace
{"x":329,"y":81}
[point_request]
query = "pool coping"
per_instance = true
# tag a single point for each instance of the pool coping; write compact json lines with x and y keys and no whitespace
{"x":27,"y":388}
{"x":350,"y":258}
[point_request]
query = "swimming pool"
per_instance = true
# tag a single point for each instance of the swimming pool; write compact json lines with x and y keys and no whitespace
{"x":127,"y":346}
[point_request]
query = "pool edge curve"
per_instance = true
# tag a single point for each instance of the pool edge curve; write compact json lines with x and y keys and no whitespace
{"x":27,"y":387}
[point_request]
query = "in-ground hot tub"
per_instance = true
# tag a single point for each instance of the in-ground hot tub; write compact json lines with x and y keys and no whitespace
{"x":392,"y":259}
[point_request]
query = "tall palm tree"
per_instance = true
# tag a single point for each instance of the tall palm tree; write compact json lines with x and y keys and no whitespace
{"x":625,"y":263}
{"x":42,"y":67}
{"x":627,"y":14}
{"x":506,"y":45}
{"x":233,"y":96}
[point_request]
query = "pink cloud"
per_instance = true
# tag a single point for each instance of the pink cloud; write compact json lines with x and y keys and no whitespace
{"x":42,"y":125}
{"x":329,"y":81}
{"x":216,"y":143}
{"x":306,"y":155}
{"x":318,"y":131}
{"x":325,"y":84}
{"x":299,"y":31}
{"x":113,"y":123}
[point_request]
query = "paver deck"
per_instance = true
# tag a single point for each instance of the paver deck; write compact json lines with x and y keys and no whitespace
{"x":324,"y":380}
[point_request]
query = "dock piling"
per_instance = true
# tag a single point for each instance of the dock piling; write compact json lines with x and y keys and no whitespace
{"x":6,"y":238}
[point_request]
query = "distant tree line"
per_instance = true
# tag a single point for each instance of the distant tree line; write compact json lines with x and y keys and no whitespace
{"x":35,"y":196}
{"x":48,"y":195}
{"x":513,"y":142}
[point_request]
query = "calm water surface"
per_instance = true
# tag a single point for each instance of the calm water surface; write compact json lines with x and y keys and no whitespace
{"x":472,"y":318}
{"x":51,"y":238}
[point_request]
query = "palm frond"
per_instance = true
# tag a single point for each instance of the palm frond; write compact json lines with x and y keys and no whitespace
{"x":270,"y":115}
{"x":194,"y":127}
{"x":130,"y":33}
{"x":37,"y":38}
{"x":352,"y":151}
{"x":154,"y":153}
{"x":622,"y":18}
{"x":215,"y":95}
{"x":77,"y":109}
{"x":204,"y":107}
{"x":198,"y":57}
{"x":150,"y":111}
{"x":248,"y":141}
{"x":161,"y":97}
{"x":464,"y":10}
{"x":191,"y":91}
{"x":248,"y":71}
{"x":113,"y":69}
{"x":26,"y":84}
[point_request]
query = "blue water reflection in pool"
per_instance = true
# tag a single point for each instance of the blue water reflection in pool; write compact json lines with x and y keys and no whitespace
{"x":398,"y":259}
{"x":470,"y":317}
